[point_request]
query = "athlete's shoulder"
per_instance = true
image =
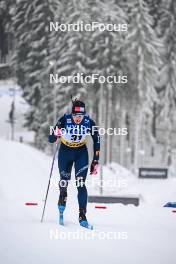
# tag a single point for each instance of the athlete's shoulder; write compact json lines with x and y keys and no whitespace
{"x":62,"y":118}
{"x":92,"y":122}
{"x":68,"y":118}
{"x":86,"y":119}
{"x":68,"y":115}
{"x":60,"y":121}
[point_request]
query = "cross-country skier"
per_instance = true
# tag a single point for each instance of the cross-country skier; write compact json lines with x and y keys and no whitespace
{"x":73,"y":129}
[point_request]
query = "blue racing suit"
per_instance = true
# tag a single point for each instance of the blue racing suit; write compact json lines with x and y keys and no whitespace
{"x":73,"y":150}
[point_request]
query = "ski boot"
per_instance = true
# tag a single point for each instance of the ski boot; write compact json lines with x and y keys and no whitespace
{"x":83,"y":220}
{"x":61,"y":207}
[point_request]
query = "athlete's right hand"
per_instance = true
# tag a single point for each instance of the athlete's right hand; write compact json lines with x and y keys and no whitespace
{"x":52,"y":138}
{"x":55,"y":136}
{"x":94,"y":167}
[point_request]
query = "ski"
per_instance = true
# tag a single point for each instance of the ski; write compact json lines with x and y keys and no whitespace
{"x":85,"y":224}
{"x":90,"y":227}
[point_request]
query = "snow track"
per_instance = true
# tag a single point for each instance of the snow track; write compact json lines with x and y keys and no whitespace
{"x":146,"y":234}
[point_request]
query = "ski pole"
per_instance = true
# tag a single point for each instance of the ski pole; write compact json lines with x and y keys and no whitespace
{"x":51,"y":171}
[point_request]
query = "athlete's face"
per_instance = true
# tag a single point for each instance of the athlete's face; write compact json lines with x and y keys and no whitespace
{"x":78,"y":118}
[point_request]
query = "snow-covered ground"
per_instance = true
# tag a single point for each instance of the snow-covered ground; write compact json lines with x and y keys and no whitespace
{"x":141,"y":235}
{"x":7,"y":96}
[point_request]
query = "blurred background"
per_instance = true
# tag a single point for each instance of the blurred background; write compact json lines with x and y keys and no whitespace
{"x":146,"y":53}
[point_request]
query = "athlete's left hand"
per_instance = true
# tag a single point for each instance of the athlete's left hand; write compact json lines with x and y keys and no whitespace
{"x":94,"y":167}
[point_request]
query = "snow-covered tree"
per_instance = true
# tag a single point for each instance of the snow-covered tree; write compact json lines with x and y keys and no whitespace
{"x":143,"y":50}
{"x":31,"y":27}
{"x":166,"y":29}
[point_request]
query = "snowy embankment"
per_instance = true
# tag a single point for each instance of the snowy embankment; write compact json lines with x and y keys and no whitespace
{"x":144,"y":234}
{"x":11,"y":92}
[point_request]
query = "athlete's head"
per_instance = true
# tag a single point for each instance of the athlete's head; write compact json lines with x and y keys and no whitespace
{"x":78,"y":111}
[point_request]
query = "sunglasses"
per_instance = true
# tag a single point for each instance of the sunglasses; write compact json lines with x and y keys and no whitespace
{"x":78,"y":115}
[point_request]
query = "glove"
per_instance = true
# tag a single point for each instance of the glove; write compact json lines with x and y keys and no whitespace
{"x":94,"y":167}
{"x":54,"y":137}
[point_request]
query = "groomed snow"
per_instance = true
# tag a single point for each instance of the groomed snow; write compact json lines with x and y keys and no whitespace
{"x":144,"y":234}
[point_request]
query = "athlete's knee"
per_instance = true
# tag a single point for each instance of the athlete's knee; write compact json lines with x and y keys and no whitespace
{"x":80,"y":182}
{"x":82,"y":172}
{"x":65,"y":175}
